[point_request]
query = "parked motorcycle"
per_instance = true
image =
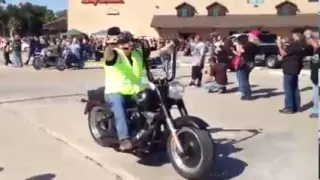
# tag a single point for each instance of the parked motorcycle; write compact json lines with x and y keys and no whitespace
{"x":70,"y":60}
{"x":43,"y":58}
{"x":188,"y":143}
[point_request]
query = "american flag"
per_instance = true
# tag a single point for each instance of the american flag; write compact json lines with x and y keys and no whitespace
{"x":3,"y":1}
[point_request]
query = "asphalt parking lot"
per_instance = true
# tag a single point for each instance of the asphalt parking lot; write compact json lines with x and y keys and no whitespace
{"x":44,"y":131}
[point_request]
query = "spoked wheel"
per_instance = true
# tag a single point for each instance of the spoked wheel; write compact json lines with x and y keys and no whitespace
{"x":61,"y":64}
{"x":100,"y":126}
{"x":198,"y":157}
{"x":38,"y":63}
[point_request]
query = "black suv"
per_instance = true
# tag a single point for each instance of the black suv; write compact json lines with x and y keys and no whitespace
{"x":269,"y":52}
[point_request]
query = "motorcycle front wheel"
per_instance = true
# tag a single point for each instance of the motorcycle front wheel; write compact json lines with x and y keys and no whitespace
{"x":197,"y":160}
{"x":38,"y":63}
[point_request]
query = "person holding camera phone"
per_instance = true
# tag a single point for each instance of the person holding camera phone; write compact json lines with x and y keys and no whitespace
{"x":123,"y":61}
{"x":245,"y":51}
{"x":292,"y":63}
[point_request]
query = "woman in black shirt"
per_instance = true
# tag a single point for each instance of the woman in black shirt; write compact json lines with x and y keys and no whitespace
{"x":292,"y":63}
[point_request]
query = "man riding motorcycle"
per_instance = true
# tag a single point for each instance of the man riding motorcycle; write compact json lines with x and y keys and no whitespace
{"x":123,"y":65}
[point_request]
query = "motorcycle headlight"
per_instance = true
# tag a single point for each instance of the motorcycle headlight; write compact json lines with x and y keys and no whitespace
{"x":176,"y":90}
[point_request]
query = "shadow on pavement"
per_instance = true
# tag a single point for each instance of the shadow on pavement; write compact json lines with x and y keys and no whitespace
{"x":306,"y":106}
{"x":1,"y":169}
{"x":47,"y":176}
{"x":270,"y":92}
{"x":225,"y":167}
{"x":236,"y":89}
{"x":229,"y":167}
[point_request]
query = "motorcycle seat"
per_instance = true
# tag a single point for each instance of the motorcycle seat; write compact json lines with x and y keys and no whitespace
{"x":96,"y":94}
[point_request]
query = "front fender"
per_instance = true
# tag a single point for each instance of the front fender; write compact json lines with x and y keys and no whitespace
{"x":190,"y":121}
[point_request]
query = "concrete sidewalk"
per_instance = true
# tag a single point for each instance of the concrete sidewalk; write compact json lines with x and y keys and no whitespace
{"x":29,"y":153}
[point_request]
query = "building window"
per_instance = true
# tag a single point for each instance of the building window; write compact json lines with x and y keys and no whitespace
{"x":285,"y":11}
{"x":214,"y":11}
{"x":287,"y":8}
{"x":185,"y":10}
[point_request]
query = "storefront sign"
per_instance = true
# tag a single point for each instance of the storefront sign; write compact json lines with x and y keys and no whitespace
{"x":96,"y":2}
{"x":112,"y":12}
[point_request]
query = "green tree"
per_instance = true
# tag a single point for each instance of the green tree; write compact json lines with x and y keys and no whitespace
{"x":25,"y":19}
{"x":14,"y":25}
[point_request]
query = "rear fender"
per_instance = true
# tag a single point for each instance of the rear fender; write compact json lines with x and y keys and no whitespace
{"x":190,"y":121}
{"x":90,"y":105}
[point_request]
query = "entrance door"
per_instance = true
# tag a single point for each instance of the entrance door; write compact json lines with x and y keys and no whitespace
{"x":186,"y":35}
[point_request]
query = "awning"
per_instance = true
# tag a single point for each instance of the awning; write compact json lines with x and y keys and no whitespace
{"x":73,"y":32}
{"x":234,"y":21}
{"x":100,"y":33}
{"x":60,"y":24}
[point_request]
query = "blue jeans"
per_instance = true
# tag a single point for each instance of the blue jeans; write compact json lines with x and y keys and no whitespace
{"x":16,"y":59}
{"x":315,"y":108}
{"x":243,"y":75}
{"x":117,"y":103}
{"x":213,"y":86}
{"x":292,"y":97}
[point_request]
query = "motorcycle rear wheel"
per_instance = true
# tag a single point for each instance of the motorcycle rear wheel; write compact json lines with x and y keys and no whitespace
{"x":38,"y":63}
{"x":100,"y":128}
{"x":197,"y":160}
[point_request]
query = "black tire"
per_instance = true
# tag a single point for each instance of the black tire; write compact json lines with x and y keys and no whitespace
{"x":81,"y":64}
{"x":101,"y":137}
{"x":61,"y":64}
{"x":38,"y":63}
{"x":271,"y":61}
{"x":205,"y":162}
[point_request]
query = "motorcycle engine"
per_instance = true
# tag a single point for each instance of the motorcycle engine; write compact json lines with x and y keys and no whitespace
{"x":141,"y":123}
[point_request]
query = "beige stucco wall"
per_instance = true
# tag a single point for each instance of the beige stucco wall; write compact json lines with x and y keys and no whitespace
{"x":136,"y":15}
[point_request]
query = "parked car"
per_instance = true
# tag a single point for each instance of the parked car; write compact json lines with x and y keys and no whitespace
{"x":269,"y":52}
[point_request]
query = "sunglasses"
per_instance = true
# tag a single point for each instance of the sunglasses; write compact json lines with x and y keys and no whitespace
{"x":125,"y":48}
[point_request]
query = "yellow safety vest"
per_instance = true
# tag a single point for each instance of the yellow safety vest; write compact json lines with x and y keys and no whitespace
{"x":123,"y":77}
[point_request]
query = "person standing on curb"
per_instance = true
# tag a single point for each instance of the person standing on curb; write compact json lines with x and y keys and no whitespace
{"x":16,"y":51}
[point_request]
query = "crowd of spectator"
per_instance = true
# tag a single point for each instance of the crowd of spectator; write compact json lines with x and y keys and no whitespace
{"x":224,"y":53}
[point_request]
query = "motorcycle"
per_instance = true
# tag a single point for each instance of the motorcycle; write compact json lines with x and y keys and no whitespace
{"x":43,"y":58}
{"x":71,"y":60}
{"x":186,"y":138}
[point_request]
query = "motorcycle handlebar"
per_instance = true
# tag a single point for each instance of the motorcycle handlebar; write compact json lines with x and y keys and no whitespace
{"x":147,"y":62}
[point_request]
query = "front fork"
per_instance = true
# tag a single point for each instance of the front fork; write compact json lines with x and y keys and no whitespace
{"x":182,"y":108}
{"x":169,"y":120}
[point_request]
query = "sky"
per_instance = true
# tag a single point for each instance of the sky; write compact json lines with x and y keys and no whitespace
{"x":51,"y":4}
